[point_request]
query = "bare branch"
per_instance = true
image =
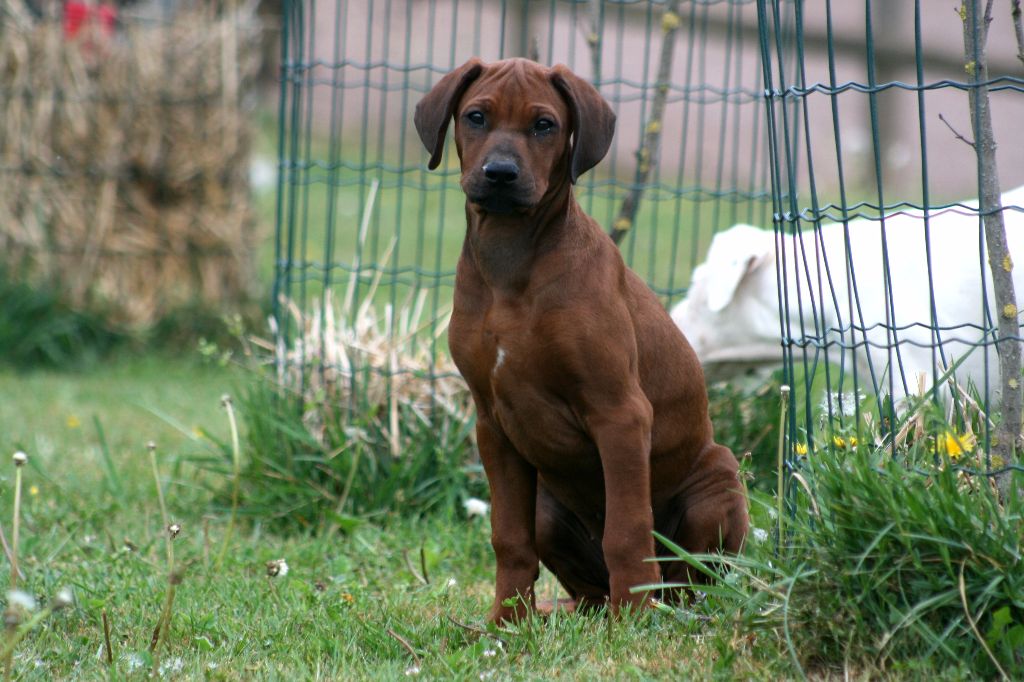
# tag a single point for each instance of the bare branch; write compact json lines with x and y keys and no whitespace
{"x":416,"y":574}
{"x":955,"y":133}
{"x":408,"y":647}
{"x":647,"y":155}
{"x":533,"y":50}
{"x":1018,"y":28}
{"x":1006,"y":440}
{"x":594,"y":41}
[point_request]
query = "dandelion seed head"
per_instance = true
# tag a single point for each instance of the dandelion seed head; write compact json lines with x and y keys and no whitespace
{"x":278,"y":568}
{"x":150,"y":445}
{"x":22,"y":600}
{"x":65,"y":597}
{"x":760,"y":534}
{"x":842,"y":404}
{"x":173,"y":530}
{"x":412,"y":671}
{"x":19,"y":458}
{"x":476,"y":507}
{"x":133,"y":662}
{"x":452,"y":582}
{"x":172,"y":665}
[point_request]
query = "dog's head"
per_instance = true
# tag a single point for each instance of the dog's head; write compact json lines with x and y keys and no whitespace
{"x":520,"y":129}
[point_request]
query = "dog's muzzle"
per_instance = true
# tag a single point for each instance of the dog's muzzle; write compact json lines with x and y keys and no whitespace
{"x":499,"y":187}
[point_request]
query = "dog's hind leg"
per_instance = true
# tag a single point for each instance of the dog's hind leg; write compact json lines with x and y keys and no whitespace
{"x":570,"y":551}
{"x":710,"y":519}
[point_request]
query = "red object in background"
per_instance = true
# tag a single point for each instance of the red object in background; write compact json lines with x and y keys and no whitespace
{"x":77,"y":13}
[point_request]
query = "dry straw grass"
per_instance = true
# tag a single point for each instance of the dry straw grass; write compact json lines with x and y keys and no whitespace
{"x":345,"y":356}
{"x":124,"y":158}
{"x":386,"y":366}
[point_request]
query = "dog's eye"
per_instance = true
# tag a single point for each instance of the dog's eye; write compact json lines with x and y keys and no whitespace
{"x":543,"y":125}
{"x":475,"y":118}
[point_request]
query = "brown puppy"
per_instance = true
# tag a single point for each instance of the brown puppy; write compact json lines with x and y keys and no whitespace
{"x":592,"y":416}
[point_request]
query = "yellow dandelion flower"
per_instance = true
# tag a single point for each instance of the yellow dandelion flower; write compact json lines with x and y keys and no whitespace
{"x":33,"y":490}
{"x":957,"y":445}
{"x":839,"y":442}
{"x":73,"y":422}
{"x":347,"y":598}
{"x":853,"y":441}
{"x":801,"y":449}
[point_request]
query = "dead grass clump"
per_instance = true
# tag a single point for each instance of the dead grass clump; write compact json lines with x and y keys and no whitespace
{"x":124,"y":157}
{"x":385,"y":368}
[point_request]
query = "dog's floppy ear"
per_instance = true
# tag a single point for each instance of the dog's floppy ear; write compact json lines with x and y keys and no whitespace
{"x":435,"y":110}
{"x":592,"y":119}
{"x":735,"y":254}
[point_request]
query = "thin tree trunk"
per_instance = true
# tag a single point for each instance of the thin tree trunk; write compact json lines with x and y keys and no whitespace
{"x":1018,"y":28}
{"x":647,"y":155}
{"x":594,"y":41}
{"x":1005,"y":443}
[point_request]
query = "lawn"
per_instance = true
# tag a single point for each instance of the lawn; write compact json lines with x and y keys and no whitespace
{"x":395,"y":596}
{"x":352,"y":604}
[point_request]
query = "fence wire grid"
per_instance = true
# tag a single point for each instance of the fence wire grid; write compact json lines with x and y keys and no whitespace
{"x":358,"y":213}
{"x":886,"y":296}
{"x":805,"y":119}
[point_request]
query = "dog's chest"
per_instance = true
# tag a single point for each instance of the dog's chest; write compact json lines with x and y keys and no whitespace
{"x":510,"y":367}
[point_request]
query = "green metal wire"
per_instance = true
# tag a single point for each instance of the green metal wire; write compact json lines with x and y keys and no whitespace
{"x":757,"y":110}
{"x":801,"y":187}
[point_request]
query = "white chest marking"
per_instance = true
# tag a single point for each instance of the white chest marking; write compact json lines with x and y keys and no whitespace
{"x":499,"y":360}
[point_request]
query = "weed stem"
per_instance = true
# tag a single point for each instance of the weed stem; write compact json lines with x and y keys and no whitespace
{"x":236,"y":457}
{"x":19,"y":461}
{"x":780,"y":494}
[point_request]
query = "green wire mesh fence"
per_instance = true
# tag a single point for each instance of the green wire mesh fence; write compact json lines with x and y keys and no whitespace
{"x":895,"y":318}
{"x":367,"y":239}
{"x":841,"y":133}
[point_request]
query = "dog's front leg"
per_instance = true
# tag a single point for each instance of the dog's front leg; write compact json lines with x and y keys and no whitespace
{"x":623,"y":435}
{"x":513,"y":484}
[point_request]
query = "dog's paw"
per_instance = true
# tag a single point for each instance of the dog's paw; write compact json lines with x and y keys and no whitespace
{"x":547,"y":606}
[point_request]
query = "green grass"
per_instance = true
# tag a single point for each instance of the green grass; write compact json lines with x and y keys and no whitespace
{"x":890,"y":566}
{"x":91,"y":521}
{"x":97,"y":528}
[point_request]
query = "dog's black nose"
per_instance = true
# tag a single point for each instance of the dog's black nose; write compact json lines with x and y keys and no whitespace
{"x":502,"y":171}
